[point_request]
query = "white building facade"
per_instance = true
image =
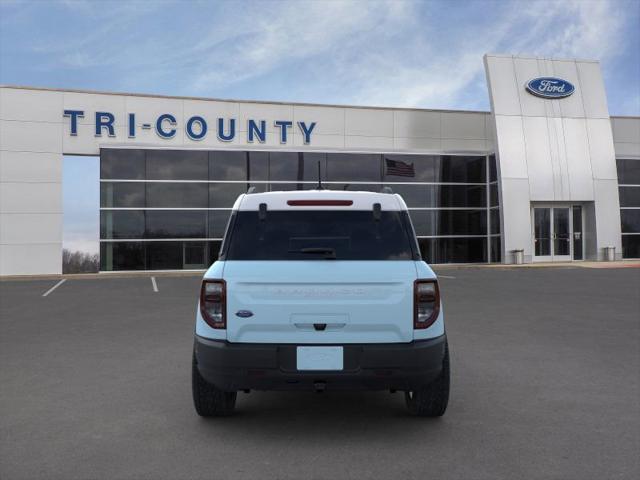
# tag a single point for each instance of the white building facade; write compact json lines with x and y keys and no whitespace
{"x":546,"y":175}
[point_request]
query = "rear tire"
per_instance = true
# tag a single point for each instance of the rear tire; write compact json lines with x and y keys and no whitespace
{"x":209,"y":400}
{"x":432,"y":400}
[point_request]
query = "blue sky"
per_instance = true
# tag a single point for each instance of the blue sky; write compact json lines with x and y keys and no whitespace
{"x":394,"y":53}
{"x":391,"y":53}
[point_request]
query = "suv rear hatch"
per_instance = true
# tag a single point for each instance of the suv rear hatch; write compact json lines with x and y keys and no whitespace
{"x":319,"y":276}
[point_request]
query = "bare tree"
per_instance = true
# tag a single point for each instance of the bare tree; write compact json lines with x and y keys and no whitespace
{"x":79,"y":262}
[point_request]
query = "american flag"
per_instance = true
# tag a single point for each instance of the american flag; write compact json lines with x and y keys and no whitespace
{"x":399,"y":169}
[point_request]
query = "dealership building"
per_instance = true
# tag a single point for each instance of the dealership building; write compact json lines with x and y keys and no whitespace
{"x":546,"y":175}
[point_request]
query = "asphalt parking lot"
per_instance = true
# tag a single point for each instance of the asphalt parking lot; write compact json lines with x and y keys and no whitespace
{"x":95,"y":384}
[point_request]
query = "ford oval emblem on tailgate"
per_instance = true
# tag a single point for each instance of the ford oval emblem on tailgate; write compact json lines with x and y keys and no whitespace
{"x":244,"y":313}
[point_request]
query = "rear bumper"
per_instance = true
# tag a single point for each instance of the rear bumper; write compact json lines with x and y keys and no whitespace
{"x":242,"y":366}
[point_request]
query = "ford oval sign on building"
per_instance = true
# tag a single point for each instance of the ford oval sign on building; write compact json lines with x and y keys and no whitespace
{"x":550,"y":87}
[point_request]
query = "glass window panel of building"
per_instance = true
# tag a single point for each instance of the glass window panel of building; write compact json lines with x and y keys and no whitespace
{"x":176,"y":224}
{"x":177,"y":165}
{"x":170,"y":208}
{"x":629,"y":191}
{"x":628,"y":171}
{"x":228,"y":166}
{"x":122,"y":195}
{"x":224,"y":195}
{"x":177,"y":195}
{"x":348,"y":167}
{"x":434,"y":196}
{"x":155,"y":255}
{"x":434,"y":223}
{"x":122,"y":164}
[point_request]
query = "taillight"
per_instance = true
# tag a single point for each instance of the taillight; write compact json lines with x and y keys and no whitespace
{"x":213,"y":303}
{"x":426,"y":303}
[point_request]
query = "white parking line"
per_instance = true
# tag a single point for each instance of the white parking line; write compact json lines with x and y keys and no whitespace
{"x":155,"y":285}
{"x":445,"y":276}
{"x":54,"y":287}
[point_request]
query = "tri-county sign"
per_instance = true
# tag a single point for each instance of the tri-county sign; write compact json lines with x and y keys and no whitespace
{"x":550,"y":87}
{"x":196,"y":127}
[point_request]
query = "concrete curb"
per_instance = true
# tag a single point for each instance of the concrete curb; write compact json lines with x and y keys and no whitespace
{"x":616,"y":264}
{"x":199,"y":273}
{"x":102,"y":276}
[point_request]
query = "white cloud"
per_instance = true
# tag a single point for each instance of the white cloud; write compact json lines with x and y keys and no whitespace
{"x":574,"y":28}
{"x":408,"y":66}
{"x":387,"y":52}
{"x":79,"y":243}
{"x":273,"y":38}
{"x":562,"y":29}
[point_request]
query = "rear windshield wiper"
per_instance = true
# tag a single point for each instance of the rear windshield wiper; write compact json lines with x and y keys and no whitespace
{"x":330,"y":253}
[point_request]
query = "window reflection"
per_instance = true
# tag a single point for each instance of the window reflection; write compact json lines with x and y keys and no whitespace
{"x":628,"y":171}
{"x":164,"y":255}
{"x":496,"y":253}
{"x":225,"y":165}
{"x":461,"y":169}
{"x":177,"y":165}
{"x":454,"y":185}
{"x":310,"y":166}
{"x":122,"y":224}
{"x":434,"y":168}
{"x":176,"y":224}
{"x":629,"y":196}
{"x":123,"y":164}
{"x":353,"y":187}
{"x":213,"y":250}
{"x":494,"y":199}
{"x":631,"y":246}
{"x":433,"y":196}
{"x":493,"y":169}
{"x":296,"y":166}
{"x":177,"y":195}
{"x":122,"y":256}
{"x":350,"y":166}
{"x":157,"y":255}
{"x":410,"y":168}
{"x":630,"y":221}
{"x":218,"y":222}
{"x":258,"y":166}
{"x":453,"y":250}
{"x":286,"y":166}
{"x":224,"y":195}
{"x":495,"y":220}
{"x":449,"y":222}
{"x":122,"y":195}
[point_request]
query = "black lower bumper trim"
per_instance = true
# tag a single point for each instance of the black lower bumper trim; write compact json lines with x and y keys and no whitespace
{"x":389,"y":366}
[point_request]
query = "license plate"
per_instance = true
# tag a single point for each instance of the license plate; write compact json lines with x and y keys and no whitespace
{"x":320,"y":358}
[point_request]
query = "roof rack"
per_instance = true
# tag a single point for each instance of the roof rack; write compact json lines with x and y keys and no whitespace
{"x":386,"y":190}
{"x":251,"y":190}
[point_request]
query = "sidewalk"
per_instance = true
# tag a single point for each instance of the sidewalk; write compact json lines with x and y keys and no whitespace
{"x":577,"y":264}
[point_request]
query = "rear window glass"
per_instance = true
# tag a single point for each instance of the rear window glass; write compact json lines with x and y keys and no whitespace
{"x":320,"y":235}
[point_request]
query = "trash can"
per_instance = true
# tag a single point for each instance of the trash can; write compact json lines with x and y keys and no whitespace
{"x":518,"y":257}
{"x":610,"y":253}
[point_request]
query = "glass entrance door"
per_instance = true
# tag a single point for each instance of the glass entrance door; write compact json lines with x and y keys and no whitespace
{"x":557,"y":233}
{"x":561,"y":234}
{"x":542,"y":233}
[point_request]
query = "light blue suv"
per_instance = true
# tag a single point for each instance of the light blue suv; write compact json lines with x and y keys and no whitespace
{"x":320,"y":290}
